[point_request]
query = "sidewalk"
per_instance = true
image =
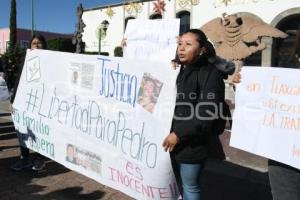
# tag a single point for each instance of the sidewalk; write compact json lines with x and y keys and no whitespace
{"x":243,"y":177}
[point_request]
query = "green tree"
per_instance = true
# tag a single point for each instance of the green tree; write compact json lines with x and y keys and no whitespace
{"x":14,"y":56}
{"x":118,"y":51}
{"x":61,"y":44}
{"x":12,"y":27}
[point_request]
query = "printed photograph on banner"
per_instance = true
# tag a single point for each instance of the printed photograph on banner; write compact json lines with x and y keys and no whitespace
{"x":81,"y":75}
{"x":149,"y":92}
{"x":87,"y":76}
{"x":86,"y":159}
{"x":33,"y":71}
{"x":75,"y":77}
{"x":74,"y":74}
{"x":71,"y":154}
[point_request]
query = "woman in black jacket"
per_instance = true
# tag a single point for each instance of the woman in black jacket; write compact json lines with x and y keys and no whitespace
{"x":196,"y":123}
{"x":36,"y":42}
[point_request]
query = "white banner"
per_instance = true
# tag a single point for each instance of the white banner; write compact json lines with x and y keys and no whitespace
{"x":156,"y":41}
{"x":266,"y":119}
{"x":101,"y":116}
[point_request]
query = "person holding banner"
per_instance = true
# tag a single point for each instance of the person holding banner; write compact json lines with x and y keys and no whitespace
{"x":196,"y":123}
{"x":284,"y":179}
{"x":36,"y":42}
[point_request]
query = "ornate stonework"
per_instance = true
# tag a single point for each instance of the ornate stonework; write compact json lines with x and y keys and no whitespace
{"x":239,"y":37}
{"x":159,"y":6}
{"x":132,"y":7}
{"x":186,"y":3}
{"x":110,"y":12}
{"x":77,"y":38}
{"x":219,"y":3}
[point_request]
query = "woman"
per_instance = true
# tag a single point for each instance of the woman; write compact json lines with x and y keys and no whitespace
{"x":196,"y":122}
{"x":36,"y":42}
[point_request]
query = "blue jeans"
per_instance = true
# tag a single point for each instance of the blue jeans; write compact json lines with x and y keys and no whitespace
{"x":190,"y":175}
{"x":284,"y":181}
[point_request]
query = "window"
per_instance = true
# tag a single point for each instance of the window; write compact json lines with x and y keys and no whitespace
{"x":155,"y":16}
{"x":24,"y":44}
{"x":126,"y":21}
{"x":184,"y":17}
{"x":285,"y":51}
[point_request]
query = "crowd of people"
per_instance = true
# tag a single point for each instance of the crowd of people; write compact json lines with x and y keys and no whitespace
{"x":191,"y":141}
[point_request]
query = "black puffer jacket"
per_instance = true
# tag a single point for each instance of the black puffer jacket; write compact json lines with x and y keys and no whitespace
{"x":200,"y":98}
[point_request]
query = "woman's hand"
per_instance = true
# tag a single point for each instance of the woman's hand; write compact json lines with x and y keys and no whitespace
{"x":174,"y":65}
{"x":170,"y":142}
{"x":237,"y":77}
{"x":123,"y":43}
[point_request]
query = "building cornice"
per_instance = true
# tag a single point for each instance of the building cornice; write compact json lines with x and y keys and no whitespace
{"x":115,"y":5}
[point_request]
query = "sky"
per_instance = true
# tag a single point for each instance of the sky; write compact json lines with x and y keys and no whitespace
{"x":49,"y":15}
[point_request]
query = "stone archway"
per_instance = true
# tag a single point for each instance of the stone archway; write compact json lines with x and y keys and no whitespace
{"x":269,"y":52}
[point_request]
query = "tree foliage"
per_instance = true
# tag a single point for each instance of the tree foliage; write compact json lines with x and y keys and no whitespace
{"x":14,"y":56}
{"x":13,"y":26}
{"x":61,"y":44}
{"x":118,"y":51}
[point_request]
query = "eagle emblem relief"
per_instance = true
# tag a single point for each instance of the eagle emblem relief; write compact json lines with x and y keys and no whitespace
{"x":237,"y":37}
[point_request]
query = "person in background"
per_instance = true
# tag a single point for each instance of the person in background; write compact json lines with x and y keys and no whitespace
{"x":36,"y":42}
{"x":196,"y":124}
{"x":296,"y":52}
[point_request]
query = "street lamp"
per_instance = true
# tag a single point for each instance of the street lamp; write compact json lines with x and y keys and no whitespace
{"x":103,"y":26}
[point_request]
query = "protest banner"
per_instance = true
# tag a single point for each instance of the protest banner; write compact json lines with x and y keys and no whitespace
{"x":156,"y":41}
{"x":266,"y":119}
{"x":103,"y":117}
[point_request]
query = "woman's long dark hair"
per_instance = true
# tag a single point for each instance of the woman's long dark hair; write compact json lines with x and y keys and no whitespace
{"x":41,"y":39}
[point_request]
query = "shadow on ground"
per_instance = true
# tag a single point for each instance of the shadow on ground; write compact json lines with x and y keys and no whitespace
{"x":22,"y":185}
{"x":5,"y":136}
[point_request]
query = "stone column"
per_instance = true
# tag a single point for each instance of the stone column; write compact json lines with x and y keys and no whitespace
{"x":266,"y":55}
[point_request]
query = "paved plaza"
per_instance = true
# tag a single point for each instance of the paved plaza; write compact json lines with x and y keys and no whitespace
{"x":242,"y":177}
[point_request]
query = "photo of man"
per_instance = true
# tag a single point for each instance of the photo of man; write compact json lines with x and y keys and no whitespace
{"x":71,"y":154}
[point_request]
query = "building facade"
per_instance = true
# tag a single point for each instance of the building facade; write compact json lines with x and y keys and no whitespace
{"x":24,"y":36}
{"x":282,"y":14}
